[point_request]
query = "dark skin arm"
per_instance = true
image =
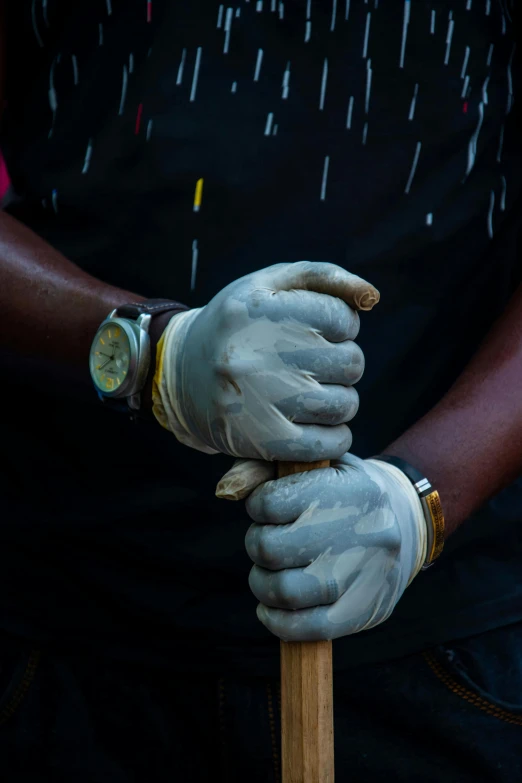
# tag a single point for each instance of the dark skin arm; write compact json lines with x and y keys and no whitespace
{"x":51,"y":308}
{"x":470,"y":444}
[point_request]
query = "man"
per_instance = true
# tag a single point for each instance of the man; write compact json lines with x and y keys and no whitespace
{"x":175,"y":149}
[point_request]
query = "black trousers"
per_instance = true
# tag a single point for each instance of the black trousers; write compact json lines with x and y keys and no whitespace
{"x":449,"y":714}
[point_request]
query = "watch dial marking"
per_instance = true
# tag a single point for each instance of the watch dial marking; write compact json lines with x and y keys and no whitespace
{"x":110,"y":358}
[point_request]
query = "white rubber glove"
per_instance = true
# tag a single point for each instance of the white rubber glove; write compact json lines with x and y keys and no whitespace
{"x":266,"y":369}
{"x":334,"y":549}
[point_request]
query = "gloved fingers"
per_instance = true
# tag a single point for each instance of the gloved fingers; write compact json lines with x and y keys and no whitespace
{"x":323,"y":540}
{"x":369,"y":600}
{"x":330,"y":406}
{"x":310,"y":443}
{"x":267,"y":547}
{"x":323,"y":278}
{"x":281,"y":502}
{"x":322,"y":580}
{"x":243,"y":477}
{"x":301,"y":443}
{"x":331,"y":317}
{"x":292,"y":588}
{"x":246,"y":475}
{"x":315,"y":442}
{"x":305,"y":625}
{"x":342,"y":363}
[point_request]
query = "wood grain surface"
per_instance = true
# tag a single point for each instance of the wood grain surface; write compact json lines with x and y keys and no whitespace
{"x":307,"y":746}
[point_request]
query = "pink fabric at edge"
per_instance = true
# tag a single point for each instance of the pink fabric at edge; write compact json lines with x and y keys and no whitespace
{"x":4,"y":178}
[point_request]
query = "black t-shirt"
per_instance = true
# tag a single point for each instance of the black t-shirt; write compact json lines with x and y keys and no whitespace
{"x":382,"y":136}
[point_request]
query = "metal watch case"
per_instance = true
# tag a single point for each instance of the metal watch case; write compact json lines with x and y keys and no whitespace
{"x":139,"y":359}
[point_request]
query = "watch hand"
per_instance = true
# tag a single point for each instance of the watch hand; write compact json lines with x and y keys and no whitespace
{"x":109,"y":360}
{"x":104,"y":354}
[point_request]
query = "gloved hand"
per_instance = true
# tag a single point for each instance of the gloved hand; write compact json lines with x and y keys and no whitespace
{"x":334,"y":549}
{"x":266,"y":369}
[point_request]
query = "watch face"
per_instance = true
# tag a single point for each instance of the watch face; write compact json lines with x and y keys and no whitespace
{"x":110,"y":358}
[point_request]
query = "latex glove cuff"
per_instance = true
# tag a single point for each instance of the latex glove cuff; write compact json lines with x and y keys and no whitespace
{"x":431,"y":506}
{"x":407,"y":488}
{"x":166,"y":386}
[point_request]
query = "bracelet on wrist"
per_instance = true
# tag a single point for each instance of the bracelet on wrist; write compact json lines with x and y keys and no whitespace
{"x":431,"y":506}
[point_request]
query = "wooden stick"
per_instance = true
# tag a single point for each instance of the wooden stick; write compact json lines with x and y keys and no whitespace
{"x":307,"y":744}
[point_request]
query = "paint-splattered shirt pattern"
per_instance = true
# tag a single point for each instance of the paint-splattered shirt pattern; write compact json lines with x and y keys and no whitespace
{"x":347,"y":114}
{"x":173,"y":146}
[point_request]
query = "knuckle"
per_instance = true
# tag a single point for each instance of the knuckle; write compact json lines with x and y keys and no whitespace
{"x":257,"y":505}
{"x":270,"y":504}
{"x":354,"y":367}
{"x":343,"y":406}
{"x":251,"y":543}
{"x":260,"y":547}
{"x":334,"y":443}
{"x":286,"y":590}
{"x":267,"y":557}
{"x":351,"y":405}
{"x":231,"y":314}
{"x":344,"y":322}
{"x":254,"y":507}
{"x":232,"y":307}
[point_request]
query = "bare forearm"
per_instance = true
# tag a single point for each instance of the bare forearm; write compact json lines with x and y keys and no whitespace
{"x":50,"y":308}
{"x":470,"y":444}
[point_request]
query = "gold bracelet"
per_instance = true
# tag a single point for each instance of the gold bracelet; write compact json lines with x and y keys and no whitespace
{"x":431,"y":506}
{"x":435,"y":519}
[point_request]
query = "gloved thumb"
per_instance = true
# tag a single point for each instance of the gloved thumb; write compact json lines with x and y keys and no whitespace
{"x":323,"y":278}
{"x":243,"y":478}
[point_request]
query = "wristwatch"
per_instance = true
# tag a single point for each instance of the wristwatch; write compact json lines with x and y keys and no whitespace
{"x":123,"y":350}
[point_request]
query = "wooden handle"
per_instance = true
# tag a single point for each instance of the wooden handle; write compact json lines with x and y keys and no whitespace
{"x":307,"y":745}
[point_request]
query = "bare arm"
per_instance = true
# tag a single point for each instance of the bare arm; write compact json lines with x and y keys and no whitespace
{"x":51,"y":308}
{"x":470,"y":444}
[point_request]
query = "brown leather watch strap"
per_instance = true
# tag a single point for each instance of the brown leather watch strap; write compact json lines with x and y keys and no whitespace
{"x":161,"y":310}
{"x":151,"y":307}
